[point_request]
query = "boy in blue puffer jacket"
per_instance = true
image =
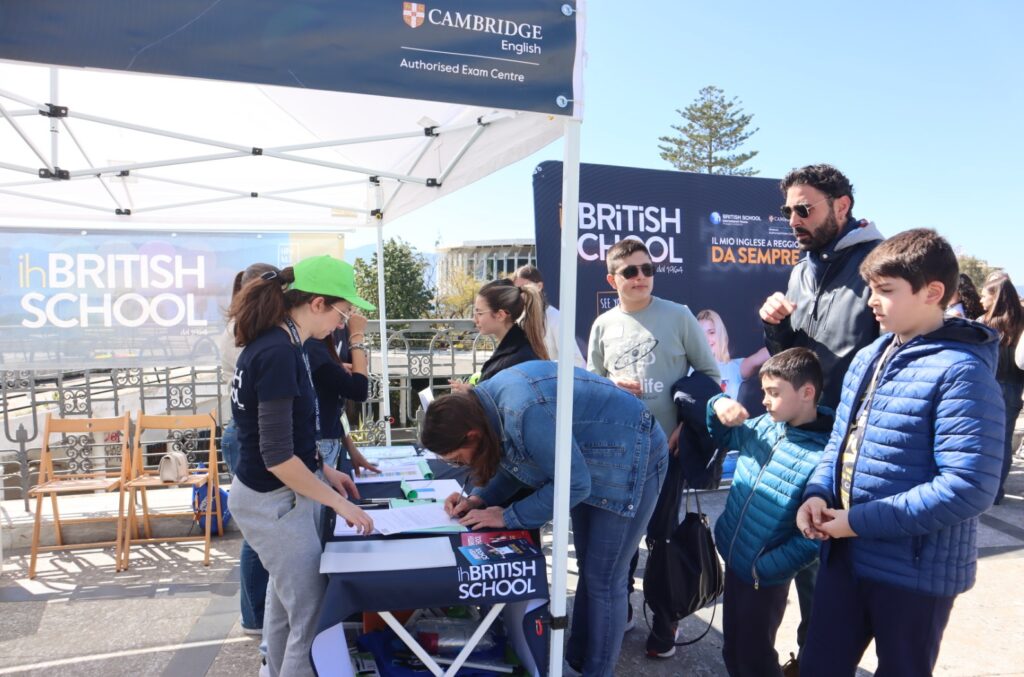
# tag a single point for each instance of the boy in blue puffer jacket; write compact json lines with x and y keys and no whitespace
{"x":914,"y":458}
{"x":756,"y":534}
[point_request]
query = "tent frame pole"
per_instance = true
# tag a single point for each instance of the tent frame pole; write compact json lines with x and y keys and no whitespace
{"x":564,"y":393}
{"x":385,"y":381}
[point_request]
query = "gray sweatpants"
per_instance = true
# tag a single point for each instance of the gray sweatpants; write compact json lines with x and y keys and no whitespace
{"x":282,"y":527}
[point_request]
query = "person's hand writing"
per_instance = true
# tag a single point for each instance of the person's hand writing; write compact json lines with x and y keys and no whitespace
{"x":458,"y":504}
{"x":484,"y":518}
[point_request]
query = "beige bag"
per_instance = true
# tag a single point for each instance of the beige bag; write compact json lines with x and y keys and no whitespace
{"x":174,"y":467}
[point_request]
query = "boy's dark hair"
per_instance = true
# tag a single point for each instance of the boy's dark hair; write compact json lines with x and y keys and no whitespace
{"x":796,"y":366}
{"x":919,"y":256}
{"x":825,"y":178}
{"x":624,"y":249}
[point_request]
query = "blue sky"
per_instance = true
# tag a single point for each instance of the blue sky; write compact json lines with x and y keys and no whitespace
{"x":918,"y":103}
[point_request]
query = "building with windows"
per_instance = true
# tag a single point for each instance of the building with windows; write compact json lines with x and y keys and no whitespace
{"x":483,"y":260}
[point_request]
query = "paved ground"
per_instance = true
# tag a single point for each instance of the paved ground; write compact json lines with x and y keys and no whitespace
{"x":169,"y":615}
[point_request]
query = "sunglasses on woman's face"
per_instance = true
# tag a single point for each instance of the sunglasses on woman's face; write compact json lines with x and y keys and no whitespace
{"x":629,"y":272}
{"x":801,"y":210}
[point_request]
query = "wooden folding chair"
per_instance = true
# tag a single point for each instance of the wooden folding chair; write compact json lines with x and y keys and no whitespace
{"x":55,"y":480}
{"x":182,"y":434}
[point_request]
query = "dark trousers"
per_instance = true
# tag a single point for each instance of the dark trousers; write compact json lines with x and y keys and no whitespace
{"x":750,"y":621}
{"x":849,"y":612}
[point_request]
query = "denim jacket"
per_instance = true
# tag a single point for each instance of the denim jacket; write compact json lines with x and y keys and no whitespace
{"x":614,"y":440}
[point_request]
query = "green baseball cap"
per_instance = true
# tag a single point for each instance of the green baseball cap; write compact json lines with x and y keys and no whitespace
{"x":328,"y":276}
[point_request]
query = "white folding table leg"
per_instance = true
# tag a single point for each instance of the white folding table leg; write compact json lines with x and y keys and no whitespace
{"x":426,"y":658}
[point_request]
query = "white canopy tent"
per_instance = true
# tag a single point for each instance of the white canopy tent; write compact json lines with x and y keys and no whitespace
{"x":96,"y":150}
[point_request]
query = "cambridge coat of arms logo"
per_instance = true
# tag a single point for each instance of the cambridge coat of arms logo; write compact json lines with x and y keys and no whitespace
{"x":414,"y":14}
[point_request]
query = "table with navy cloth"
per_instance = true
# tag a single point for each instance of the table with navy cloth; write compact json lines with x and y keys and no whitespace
{"x":522,"y":587}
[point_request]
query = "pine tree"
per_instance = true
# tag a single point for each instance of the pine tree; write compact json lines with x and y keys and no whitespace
{"x":714,"y":128}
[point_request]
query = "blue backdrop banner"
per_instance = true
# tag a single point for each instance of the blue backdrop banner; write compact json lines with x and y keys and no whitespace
{"x":77,"y":299}
{"x":718,"y":242}
{"x":517,"y":54}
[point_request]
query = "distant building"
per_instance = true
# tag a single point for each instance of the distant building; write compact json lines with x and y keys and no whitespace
{"x":482,"y":259}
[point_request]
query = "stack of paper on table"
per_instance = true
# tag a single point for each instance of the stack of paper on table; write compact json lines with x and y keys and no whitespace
{"x":382,"y":453}
{"x":395,"y":555}
{"x":415,"y":470}
{"x":401,"y":520}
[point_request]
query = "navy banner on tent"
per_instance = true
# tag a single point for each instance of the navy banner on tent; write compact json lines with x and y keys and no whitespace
{"x":517,"y":54}
{"x":717,"y":242}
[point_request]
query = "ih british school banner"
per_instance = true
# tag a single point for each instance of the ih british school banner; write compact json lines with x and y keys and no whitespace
{"x":718,"y":242}
{"x":80,"y":299}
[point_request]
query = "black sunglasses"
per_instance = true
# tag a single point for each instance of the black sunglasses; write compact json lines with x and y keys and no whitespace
{"x":629,"y":272}
{"x":803,"y":211}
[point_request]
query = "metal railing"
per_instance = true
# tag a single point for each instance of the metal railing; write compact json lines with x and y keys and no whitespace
{"x":421,"y":354}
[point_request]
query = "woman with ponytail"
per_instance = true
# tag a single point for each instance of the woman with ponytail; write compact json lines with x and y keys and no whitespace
{"x":515,"y":317}
{"x":276,"y":494}
{"x":1003,"y":313}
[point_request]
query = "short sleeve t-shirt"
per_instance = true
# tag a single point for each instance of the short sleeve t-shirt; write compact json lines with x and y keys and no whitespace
{"x":271,"y":368}
{"x":731,"y":377}
{"x":655,"y":346}
{"x":333,"y":386}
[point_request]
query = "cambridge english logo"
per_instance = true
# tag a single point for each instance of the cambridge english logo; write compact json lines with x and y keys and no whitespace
{"x":414,"y":14}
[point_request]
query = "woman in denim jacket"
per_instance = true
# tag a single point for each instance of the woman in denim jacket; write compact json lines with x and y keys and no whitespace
{"x":504,"y":429}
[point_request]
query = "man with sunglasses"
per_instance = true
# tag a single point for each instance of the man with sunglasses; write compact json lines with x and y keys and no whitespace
{"x":644,"y":345}
{"x":825,"y":307}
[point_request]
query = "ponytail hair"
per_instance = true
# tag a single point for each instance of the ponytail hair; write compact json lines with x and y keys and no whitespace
{"x":262,"y":303}
{"x":524,"y":305}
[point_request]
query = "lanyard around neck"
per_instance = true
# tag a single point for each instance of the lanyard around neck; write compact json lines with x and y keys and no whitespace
{"x":294,"y":331}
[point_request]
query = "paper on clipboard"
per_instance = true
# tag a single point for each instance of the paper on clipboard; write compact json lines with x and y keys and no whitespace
{"x":436,"y":489}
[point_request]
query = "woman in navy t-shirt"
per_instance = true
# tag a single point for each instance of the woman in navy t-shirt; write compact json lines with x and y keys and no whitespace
{"x":336,"y":382}
{"x":276,"y":494}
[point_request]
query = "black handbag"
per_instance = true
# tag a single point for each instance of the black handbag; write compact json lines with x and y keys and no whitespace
{"x":683,"y":572}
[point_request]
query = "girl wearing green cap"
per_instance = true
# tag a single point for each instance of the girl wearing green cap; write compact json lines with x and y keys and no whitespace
{"x":276,"y":494}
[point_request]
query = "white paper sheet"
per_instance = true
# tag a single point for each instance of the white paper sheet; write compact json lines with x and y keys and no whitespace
{"x":413,"y":518}
{"x":394,"y":451}
{"x":392,"y":473}
{"x":393,"y":555}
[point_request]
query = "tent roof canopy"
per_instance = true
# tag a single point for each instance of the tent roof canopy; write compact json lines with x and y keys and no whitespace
{"x":137,"y":145}
{"x":309,"y":114}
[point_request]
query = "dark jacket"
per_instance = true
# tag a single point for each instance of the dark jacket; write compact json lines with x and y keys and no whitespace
{"x":832,"y":317}
{"x":930,"y":460}
{"x":756,"y":533}
{"x":696,"y":448}
{"x":514,"y":349}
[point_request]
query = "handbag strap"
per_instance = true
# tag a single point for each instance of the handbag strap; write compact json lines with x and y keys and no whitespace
{"x":711,"y":622}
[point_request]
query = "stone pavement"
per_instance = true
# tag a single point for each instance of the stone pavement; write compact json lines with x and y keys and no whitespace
{"x":170,"y":615}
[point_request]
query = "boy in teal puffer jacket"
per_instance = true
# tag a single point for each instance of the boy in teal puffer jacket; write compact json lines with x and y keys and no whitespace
{"x":756,"y":534}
